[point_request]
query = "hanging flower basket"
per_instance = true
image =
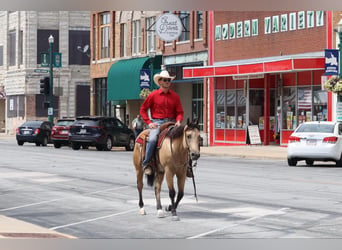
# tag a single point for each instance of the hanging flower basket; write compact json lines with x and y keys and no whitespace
{"x":334,"y":84}
{"x":144,"y":93}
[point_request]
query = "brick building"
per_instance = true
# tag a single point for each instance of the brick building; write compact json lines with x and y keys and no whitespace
{"x":125,"y":42}
{"x":23,"y":37}
{"x":266,"y":69}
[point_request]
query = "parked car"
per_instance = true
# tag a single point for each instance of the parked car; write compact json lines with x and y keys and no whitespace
{"x":38,"y":132}
{"x":60,"y":132}
{"x":315,"y":141}
{"x":100,"y":132}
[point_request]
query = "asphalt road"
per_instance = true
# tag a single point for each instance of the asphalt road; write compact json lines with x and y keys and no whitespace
{"x":92,"y":195}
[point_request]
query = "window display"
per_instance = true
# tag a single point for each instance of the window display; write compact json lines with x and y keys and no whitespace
{"x":256,"y":106}
{"x":320,"y":104}
{"x":289,"y":108}
{"x":230,"y":107}
{"x":219,"y":97}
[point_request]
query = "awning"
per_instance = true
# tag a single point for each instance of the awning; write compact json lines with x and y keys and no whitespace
{"x":274,"y":66}
{"x":123,"y":80}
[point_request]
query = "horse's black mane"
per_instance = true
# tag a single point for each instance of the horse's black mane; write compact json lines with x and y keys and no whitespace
{"x":177,"y":131}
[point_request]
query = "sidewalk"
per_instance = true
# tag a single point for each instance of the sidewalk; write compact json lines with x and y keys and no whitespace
{"x":16,"y":229}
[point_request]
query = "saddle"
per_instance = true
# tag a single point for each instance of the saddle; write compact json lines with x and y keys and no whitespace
{"x":143,"y":138}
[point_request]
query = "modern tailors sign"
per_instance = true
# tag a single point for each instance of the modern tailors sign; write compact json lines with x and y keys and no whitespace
{"x":169,"y":27}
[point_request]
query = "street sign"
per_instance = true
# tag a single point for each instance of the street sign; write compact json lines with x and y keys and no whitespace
{"x":45,"y":59}
{"x":57,"y":59}
{"x":41,"y":71}
{"x":50,"y":111}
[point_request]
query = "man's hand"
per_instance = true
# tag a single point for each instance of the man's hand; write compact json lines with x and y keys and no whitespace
{"x":153,"y":125}
{"x":178,"y":123}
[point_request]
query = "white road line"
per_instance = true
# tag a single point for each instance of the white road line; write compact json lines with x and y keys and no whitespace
{"x":64,"y":198}
{"x":94,"y":219}
{"x":232,"y":225}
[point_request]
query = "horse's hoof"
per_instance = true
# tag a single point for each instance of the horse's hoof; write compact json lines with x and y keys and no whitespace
{"x":175,"y":218}
{"x":142,"y":211}
{"x":160,"y":213}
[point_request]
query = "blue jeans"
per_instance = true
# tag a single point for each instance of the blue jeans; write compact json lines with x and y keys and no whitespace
{"x":152,"y":141}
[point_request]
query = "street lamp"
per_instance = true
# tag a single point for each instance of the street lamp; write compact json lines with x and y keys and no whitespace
{"x":50,"y":110}
{"x":339,"y":31}
{"x":151,"y":55}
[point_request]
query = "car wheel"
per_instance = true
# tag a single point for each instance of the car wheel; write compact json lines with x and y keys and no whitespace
{"x":291,"y":162}
{"x":99,"y":147}
{"x":109,"y":144}
{"x":75,"y":146}
{"x":309,"y":162}
{"x":45,"y":141}
{"x":130,"y":145}
{"x":339,"y":162}
{"x":20,"y":143}
{"x":57,"y":145}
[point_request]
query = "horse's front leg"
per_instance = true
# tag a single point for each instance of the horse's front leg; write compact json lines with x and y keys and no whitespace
{"x":172,"y":194}
{"x":157,"y":189}
{"x":181,"y":184}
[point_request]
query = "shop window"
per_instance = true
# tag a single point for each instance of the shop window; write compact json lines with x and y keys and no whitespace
{"x":256,"y":106}
{"x":220,"y":114}
{"x":304,"y":106}
{"x":241,"y":109}
{"x":230,"y":108}
{"x":320,"y":104}
{"x":289,"y":108}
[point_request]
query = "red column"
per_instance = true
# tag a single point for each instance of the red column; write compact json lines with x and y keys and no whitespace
{"x":266,"y":110}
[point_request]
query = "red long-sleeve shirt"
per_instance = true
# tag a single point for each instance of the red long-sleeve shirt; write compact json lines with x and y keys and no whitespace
{"x":162,"y":105}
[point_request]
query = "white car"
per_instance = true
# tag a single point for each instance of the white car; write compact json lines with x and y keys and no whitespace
{"x":315,"y":141}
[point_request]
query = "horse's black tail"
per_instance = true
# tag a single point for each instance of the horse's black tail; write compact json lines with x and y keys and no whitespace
{"x":150,"y":179}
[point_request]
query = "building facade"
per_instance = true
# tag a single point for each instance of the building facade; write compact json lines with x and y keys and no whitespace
{"x":126,"y":49}
{"x":23,"y":39}
{"x":266,"y":69}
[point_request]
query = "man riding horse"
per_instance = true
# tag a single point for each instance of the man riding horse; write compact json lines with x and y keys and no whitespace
{"x":165,"y":106}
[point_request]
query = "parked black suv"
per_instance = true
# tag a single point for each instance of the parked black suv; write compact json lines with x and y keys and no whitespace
{"x":101,"y":132}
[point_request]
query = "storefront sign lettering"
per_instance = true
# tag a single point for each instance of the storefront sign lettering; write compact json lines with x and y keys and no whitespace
{"x":169,"y":27}
{"x":272,"y":24}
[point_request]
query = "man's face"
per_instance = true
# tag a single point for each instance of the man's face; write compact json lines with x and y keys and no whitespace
{"x":165,"y":82}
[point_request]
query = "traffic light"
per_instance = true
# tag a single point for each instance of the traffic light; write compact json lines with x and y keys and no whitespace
{"x":45,"y":85}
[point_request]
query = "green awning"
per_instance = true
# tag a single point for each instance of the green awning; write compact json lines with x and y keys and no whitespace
{"x":123,"y":80}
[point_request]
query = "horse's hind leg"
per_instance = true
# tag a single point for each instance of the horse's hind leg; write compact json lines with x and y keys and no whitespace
{"x":140,"y":187}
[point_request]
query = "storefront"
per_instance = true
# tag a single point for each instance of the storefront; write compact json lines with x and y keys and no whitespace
{"x":277,"y":95}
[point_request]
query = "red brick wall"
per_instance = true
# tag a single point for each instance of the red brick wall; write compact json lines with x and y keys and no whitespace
{"x":192,"y":45}
{"x":266,"y":45}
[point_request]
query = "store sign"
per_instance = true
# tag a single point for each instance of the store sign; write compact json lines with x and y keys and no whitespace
{"x":246,"y":77}
{"x":145,"y":79}
{"x":331,"y":61}
{"x":253,"y":134}
{"x":272,"y":24}
{"x":169,"y":27}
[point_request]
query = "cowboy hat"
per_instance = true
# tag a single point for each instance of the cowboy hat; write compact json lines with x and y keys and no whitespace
{"x":162,"y":74}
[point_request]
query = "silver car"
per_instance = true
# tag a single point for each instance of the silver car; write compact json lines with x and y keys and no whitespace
{"x":315,"y":141}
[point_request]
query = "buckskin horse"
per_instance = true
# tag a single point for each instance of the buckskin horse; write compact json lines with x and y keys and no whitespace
{"x":180,"y":146}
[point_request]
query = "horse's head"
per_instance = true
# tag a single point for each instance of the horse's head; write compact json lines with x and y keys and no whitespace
{"x":192,"y":139}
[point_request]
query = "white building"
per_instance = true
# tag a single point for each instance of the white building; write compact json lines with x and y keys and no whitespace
{"x":23,"y":37}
